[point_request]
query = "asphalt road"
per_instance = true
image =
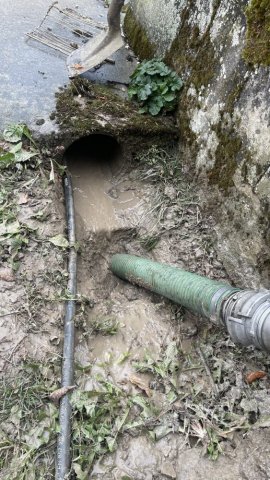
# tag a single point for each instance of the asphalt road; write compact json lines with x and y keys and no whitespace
{"x":32,"y":73}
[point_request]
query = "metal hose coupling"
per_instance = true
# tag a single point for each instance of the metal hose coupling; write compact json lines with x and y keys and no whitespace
{"x":246,"y":316}
{"x":244,"y":313}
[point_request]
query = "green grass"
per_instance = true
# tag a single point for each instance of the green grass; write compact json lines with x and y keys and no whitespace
{"x":105,"y":325}
{"x":173,"y":195}
{"x":28,"y":422}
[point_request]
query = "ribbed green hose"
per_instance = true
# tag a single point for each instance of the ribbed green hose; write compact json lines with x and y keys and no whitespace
{"x":199,"y":294}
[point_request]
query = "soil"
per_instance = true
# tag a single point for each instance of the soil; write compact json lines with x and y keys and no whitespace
{"x":200,"y":433}
{"x":30,"y":313}
{"x":114,"y":211}
{"x":205,"y":420}
{"x":210,"y":421}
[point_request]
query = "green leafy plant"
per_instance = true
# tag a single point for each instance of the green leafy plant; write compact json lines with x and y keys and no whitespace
{"x":163,"y":367}
{"x":105,"y":325}
{"x":154,"y":86}
{"x":14,"y":150}
{"x":100,"y":416}
{"x":213,"y":448}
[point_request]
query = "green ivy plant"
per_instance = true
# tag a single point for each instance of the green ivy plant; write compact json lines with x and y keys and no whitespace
{"x":155,"y":87}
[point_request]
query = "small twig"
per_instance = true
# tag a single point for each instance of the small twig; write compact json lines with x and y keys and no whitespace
{"x":197,"y":367}
{"x":14,"y":350}
{"x":6,"y":447}
{"x":7,"y":314}
{"x":207,"y":369}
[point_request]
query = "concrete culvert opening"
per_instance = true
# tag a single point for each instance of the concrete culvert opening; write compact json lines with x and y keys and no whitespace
{"x":96,"y":147}
{"x":94,"y":162}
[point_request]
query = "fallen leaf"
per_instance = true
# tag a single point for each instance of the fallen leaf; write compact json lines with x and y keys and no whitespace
{"x":60,"y":392}
{"x":80,"y":474}
{"x":23,"y":156}
{"x":59,"y":241}
{"x":263,"y":422}
{"x":252,"y":376}
{"x":10,"y":228}
{"x":140,"y":384}
{"x":13,"y":133}
{"x":122,"y":358}
{"x":23,"y":198}
{"x":77,"y":66}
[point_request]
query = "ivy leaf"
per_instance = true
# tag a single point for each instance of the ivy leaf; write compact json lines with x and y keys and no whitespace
{"x":23,"y":156}
{"x":111,"y":442}
{"x":16,"y":148}
{"x":59,"y":241}
{"x":6,"y":159}
{"x":13,"y":133}
{"x":80,"y":474}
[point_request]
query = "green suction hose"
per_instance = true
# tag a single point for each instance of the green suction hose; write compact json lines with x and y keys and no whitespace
{"x":244,"y":313}
{"x":199,"y":294}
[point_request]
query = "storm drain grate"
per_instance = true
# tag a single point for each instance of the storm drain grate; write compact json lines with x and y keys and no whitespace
{"x":65,"y":29}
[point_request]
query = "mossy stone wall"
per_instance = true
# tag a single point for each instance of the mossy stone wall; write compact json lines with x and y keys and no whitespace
{"x":220,"y":49}
{"x":257,"y":50}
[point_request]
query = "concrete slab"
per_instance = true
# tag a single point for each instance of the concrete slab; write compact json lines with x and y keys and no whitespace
{"x":32,"y":73}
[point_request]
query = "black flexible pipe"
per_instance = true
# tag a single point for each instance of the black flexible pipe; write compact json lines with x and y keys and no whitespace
{"x":63,"y":460}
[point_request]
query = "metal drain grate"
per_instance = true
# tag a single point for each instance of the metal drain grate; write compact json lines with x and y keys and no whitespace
{"x":65,"y":30}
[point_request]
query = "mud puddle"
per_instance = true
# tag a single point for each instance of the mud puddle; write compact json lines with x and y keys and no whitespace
{"x":122,"y":323}
{"x":117,"y":324}
{"x":105,"y":198}
{"x":99,"y":192}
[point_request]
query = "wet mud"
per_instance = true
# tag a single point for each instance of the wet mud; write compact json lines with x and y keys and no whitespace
{"x":113,"y":211}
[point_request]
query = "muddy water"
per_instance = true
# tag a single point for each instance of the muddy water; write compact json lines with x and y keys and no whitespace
{"x":106,"y":202}
{"x":98,"y":192}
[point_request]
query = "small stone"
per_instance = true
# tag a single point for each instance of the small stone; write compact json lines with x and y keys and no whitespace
{"x":40,"y":121}
{"x":113,"y":193}
{"x":168,"y":470}
{"x":131,"y":294}
{"x":7,"y":275}
{"x":55,"y":340}
{"x":170,"y":192}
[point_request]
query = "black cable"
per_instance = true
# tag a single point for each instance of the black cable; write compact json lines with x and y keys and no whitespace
{"x":63,"y":460}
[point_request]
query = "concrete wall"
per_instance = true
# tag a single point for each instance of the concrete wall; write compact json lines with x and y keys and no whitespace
{"x":224,"y":121}
{"x":160,"y":20}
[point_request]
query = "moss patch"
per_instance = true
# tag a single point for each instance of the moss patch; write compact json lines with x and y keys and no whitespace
{"x":84,"y":108}
{"x":137,"y":37}
{"x":226,"y":160}
{"x":257,"y":49}
{"x":192,"y":55}
{"x":194,"y":59}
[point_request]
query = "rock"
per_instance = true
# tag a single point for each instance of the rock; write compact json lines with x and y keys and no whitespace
{"x":6,"y":275}
{"x":168,"y":470}
{"x":170,"y":192}
{"x":131,"y":294}
{"x":40,"y":121}
{"x":224,"y":131}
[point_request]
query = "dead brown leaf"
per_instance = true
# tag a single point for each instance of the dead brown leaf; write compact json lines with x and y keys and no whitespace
{"x":77,"y":66}
{"x":252,"y":376}
{"x":60,"y":392}
{"x":140,"y":384}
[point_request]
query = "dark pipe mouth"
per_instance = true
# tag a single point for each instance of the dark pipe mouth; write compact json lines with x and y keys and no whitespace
{"x":96,"y":147}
